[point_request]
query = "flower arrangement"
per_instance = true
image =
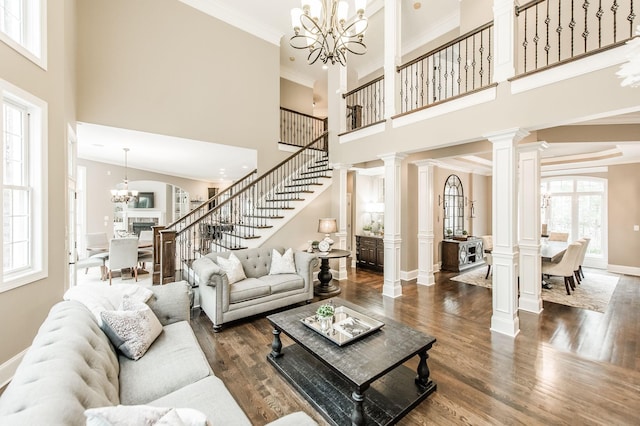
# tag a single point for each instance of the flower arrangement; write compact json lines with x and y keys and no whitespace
{"x":325,"y":311}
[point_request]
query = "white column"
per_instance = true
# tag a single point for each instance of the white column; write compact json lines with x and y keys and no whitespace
{"x":336,"y":104}
{"x":503,"y":40}
{"x":392,"y":54}
{"x":504,"y":221}
{"x":392,"y":230}
{"x":529,"y":226}
{"x":426,"y":195}
{"x":340,"y":190}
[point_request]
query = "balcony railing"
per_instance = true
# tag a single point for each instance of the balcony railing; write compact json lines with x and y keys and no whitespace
{"x":460,"y":66}
{"x":553,"y":31}
{"x":365,"y":104}
{"x":298,"y":129}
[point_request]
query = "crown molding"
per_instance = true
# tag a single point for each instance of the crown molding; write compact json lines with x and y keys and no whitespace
{"x":232,"y":17}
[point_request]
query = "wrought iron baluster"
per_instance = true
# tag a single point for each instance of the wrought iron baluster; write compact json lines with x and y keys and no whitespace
{"x":536,"y":39}
{"x":559,"y":29}
{"x":466,"y":65}
{"x":631,"y":17}
{"x":599,"y":15}
{"x":572,"y":25}
{"x":459,"y":80}
{"x":585,"y":34}
{"x":481,"y":72}
{"x":473,"y":65}
{"x":446,"y":72}
{"x":547,"y":21}
{"x":525,"y":42}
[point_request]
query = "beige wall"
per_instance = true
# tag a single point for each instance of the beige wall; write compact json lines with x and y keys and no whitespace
{"x":102,"y":177}
{"x":296,"y":96}
{"x":409,"y":217}
{"x":304,"y":226}
{"x":624,"y":213}
{"x":23,"y":309}
{"x":474,"y":14}
{"x":163,"y":67}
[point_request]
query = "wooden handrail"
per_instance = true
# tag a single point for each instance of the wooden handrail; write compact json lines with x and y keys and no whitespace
{"x":193,"y":212}
{"x":302,"y":113}
{"x":374,"y":81}
{"x":258,"y":180}
{"x":451,"y":43}
{"x":527,"y":6}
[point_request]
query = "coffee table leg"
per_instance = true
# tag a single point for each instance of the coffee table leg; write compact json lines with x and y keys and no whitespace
{"x":422,"y":379}
{"x":357,"y":415}
{"x":276,"y":345}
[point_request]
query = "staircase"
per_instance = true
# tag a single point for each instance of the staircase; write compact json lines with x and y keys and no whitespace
{"x":243,"y":215}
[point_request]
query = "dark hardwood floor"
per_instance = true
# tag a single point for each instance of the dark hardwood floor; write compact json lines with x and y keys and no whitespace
{"x":567,"y":365}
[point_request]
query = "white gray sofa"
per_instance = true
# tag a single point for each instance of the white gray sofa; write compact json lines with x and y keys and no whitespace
{"x":71,"y":366}
{"x":257,"y":294}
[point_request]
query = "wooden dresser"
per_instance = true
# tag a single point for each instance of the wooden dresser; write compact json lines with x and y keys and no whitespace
{"x":460,"y":255}
{"x":370,"y":252}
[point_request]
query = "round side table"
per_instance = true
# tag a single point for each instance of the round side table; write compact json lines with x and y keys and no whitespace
{"x":327,"y":288}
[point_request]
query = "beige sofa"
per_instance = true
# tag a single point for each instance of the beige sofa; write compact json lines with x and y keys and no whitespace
{"x":72,"y":366}
{"x":257,"y":294}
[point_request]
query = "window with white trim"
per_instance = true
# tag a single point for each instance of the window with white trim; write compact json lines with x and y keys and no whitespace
{"x":23,"y":27}
{"x":23,"y":162}
{"x":578,"y":206}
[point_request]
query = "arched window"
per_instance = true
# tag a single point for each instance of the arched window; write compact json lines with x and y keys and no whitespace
{"x":453,"y":207}
{"x":578,"y":205}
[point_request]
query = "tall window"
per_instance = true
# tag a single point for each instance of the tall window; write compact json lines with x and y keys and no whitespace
{"x":23,"y":162}
{"x":22,"y":26}
{"x":578,"y":205}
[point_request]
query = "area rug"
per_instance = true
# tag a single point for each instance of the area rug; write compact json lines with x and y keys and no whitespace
{"x":593,"y":294}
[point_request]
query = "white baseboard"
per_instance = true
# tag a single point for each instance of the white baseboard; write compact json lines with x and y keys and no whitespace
{"x":621,"y":269}
{"x":408,"y":275}
{"x":8,"y":369}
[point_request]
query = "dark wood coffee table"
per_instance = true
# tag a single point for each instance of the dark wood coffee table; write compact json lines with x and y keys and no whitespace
{"x":334,"y":378}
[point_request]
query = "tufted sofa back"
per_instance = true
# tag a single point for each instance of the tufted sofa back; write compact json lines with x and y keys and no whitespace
{"x":70,"y":366}
{"x":256,"y":262}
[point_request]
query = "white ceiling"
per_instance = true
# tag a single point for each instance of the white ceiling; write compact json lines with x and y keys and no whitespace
{"x":270,"y":20}
{"x":168,"y":155}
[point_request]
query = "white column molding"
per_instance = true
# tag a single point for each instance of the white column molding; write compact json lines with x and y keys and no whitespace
{"x":426,"y":196}
{"x":505,"y":251}
{"x":392,"y":52}
{"x":392,"y":230}
{"x":529,"y":226}
{"x":503,"y":40}
{"x":340,"y":182}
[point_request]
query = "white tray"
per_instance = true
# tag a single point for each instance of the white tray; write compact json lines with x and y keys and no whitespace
{"x":348,"y":325}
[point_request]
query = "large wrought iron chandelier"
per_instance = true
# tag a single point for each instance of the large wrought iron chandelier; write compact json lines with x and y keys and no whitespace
{"x":322,"y":27}
{"x":124,"y":195}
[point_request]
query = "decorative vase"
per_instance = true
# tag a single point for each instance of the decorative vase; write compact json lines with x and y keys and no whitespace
{"x":326,"y":323}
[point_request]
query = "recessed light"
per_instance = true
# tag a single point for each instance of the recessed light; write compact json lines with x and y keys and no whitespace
{"x":291,"y":58}
{"x":245,"y":167}
{"x":325,"y":67}
{"x":417,"y":5}
{"x":99,"y":145}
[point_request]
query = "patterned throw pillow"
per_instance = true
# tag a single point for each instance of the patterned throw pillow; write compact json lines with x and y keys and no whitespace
{"x":232,"y":267}
{"x":132,"y":330}
{"x":282,"y":263}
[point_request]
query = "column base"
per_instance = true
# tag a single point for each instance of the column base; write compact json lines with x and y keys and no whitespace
{"x":533,"y":304}
{"x":425,"y":278}
{"x":505,"y":326}
{"x":392,"y":290}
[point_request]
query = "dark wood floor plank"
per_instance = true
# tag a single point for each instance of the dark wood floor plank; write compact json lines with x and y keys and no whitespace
{"x":567,"y":365}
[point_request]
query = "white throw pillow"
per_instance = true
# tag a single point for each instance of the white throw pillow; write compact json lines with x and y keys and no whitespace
{"x":133,"y":330}
{"x":135,"y":415}
{"x":232,"y":267}
{"x":101,"y":297}
{"x":282,"y":263}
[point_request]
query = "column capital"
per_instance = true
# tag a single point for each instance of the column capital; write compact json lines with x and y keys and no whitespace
{"x":392,"y":157}
{"x":341,"y":166}
{"x":426,"y":163}
{"x":515,"y":134}
{"x":533,"y":146}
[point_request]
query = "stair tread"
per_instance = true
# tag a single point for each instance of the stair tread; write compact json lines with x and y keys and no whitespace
{"x":264,"y":217}
{"x":305,"y":191}
{"x":275,"y":200}
{"x":309,"y":178}
{"x":316,"y":171}
{"x":303,"y":184}
{"x":275,"y":208}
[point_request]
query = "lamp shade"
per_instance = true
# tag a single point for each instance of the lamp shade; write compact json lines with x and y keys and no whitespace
{"x":327,"y":225}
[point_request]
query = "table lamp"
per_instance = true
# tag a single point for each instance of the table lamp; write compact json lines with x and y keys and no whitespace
{"x":327,"y":226}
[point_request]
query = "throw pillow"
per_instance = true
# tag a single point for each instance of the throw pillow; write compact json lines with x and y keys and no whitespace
{"x":232,"y":267}
{"x":282,"y":263}
{"x":131,"y":331}
{"x":135,"y":415}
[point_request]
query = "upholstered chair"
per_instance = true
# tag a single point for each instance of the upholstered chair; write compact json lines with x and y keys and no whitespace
{"x":565,"y":267}
{"x":487,"y":244}
{"x":123,"y":253}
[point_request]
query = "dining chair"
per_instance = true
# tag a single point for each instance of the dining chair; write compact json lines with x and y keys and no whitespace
{"x":487,"y":244}
{"x":565,"y":267}
{"x":123,"y":253}
{"x":95,"y":243}
{"x":146,"y":236}
{"x":558,"y":236}
{"x":578,"y":271}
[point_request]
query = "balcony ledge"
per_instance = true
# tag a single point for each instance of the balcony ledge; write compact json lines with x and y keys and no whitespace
{"x":362,"y":132}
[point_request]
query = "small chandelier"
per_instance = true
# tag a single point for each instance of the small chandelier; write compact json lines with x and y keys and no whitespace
{"x":124,"y":195}
{"x":321,"y":26}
